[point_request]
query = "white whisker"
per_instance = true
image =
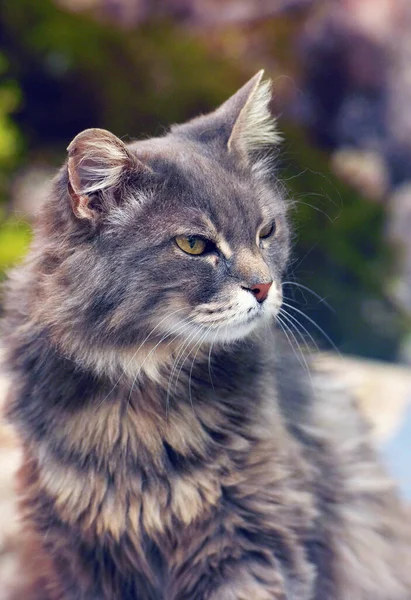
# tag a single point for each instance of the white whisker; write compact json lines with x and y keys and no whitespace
{"x":287,"y":315}
{"x":180,"y":351}
{"x":167,"y":335}
{"x":192,"y":365}
{"x":307,"y":289}
{"x":286,"y":329}
{"x":135,"y":354}
{"x":209,"y":358}
{"x":300,"y":312}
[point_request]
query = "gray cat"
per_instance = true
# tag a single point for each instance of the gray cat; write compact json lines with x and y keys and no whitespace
{"x":174,"y":447}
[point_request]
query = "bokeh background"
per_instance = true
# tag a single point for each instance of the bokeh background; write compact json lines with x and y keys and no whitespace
{"x":342,"y":92}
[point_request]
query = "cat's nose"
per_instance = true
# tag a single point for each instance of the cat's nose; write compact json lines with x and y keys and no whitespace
{"x":260,"y":290}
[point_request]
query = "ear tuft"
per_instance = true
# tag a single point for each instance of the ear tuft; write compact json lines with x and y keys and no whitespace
{"x":255,"y":127}
{"x":242,"y":125}
{"x":96,"y":162}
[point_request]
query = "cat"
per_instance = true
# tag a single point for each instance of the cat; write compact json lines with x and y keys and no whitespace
{"x":174,"y":447}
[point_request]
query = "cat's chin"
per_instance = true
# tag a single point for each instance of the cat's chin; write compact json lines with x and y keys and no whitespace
{"x":235,"y":330}
{"x":234,"y":333}
{"x":242,"y":328}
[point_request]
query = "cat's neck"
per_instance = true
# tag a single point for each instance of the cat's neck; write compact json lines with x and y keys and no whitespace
{"x":145,"y":363}
{"x":195,"y":405}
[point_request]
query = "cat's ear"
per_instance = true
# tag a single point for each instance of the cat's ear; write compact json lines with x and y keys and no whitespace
{"x":97,"y":161}
{"x":243,"y":125}
{"x":253,"y":126}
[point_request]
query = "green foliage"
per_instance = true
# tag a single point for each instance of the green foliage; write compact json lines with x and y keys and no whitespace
{"x":14,"y":240}
{"x":14,"y":236}
{"x":127,"y":81}
{"x":10,"y":140}
{"x":342,"y":256}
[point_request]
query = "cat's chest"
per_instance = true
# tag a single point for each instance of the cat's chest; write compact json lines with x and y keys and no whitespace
{"x":112,"y":473}
{"x":130,"y":502}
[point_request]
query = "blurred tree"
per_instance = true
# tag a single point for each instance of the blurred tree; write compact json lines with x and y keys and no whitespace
{"x":341,"y":255}
{"x":76,"y":72}
{"x":14,"y":236}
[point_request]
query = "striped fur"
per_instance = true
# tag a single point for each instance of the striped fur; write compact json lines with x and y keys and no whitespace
{"x":174,"y":448}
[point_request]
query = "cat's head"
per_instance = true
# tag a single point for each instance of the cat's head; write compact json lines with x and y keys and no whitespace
{"x":178,"y":237}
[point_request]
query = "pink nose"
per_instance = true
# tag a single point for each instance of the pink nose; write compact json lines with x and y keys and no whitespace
{"x":260,"y":290}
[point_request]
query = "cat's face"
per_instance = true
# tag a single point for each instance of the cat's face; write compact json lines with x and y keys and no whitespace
{"x":184,"y":236}
{"x":203,"y":250}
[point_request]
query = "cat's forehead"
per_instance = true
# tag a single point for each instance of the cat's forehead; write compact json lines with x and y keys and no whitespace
{"x":195,"y":180}
{"x":187,"y":162}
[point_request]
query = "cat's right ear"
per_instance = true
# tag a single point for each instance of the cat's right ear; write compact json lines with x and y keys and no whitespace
{"x":97,"y":162}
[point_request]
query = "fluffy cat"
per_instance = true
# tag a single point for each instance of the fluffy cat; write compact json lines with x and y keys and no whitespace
{"x":174,"y":449}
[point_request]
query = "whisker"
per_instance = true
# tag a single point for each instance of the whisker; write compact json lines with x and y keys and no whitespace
{"x":223,"y":317}
{"x":209,"y":358}
{"x":331,"y":220}
{"x":150,"y":334}
{"x":286,"y":329}
{"x":192,"y":365}
{"x":134,"y":355}
{"x":177,"y":376}
{"x":304,"y":359}
{"x":326,"y":336}
{"x":295,"y":267}
{"x":180,"y":352}
{"x":292,"y":326}
{"x":167,"y":335}
{"x":186,"y":326}
{"x":307,"y":289}
{"x":291,"y":177}
{"x":295,"y":320}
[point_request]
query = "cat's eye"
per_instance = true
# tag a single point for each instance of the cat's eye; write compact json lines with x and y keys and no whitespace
{"x":191,"y":244}
{"x":267,"y":230}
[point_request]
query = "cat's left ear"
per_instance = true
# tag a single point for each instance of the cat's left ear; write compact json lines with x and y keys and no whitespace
{"x":243,"y":125}
{"x":253,"y":126}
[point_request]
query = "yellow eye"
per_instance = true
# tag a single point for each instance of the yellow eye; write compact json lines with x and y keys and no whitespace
{"x":191,"y":244}
{"x":267,"y":230}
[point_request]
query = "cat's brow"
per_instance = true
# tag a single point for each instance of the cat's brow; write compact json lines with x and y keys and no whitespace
{"x":224,"y":246}
{"x":217,"y":237}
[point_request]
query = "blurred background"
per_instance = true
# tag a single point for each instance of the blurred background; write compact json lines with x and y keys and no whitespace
{"x":342,"y":91}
